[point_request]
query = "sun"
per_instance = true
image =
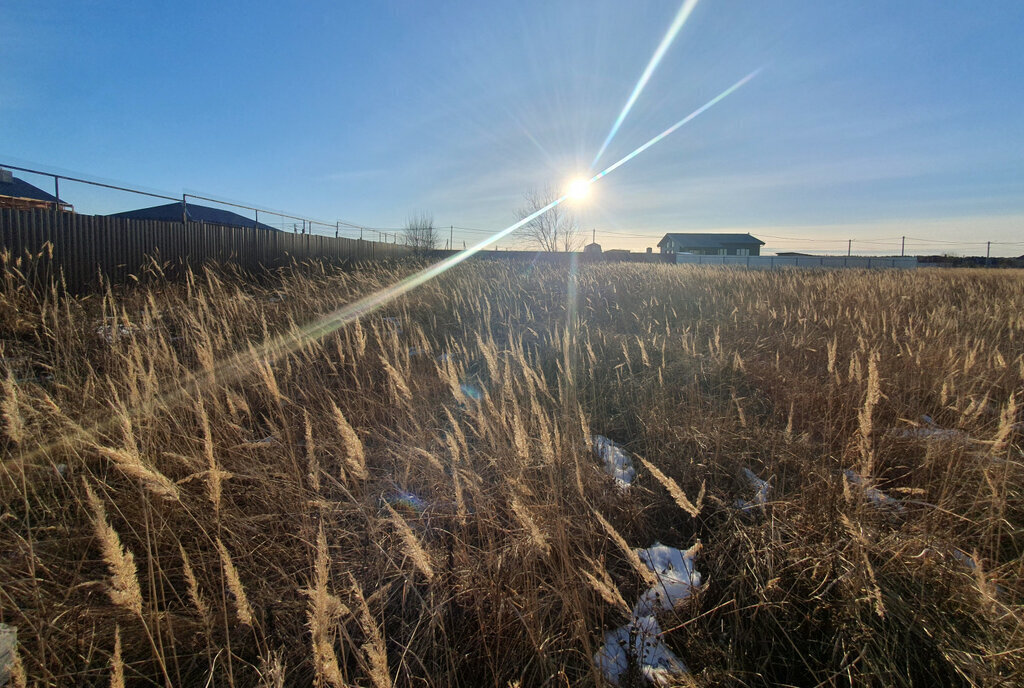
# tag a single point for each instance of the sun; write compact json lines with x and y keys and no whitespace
{"x":578,"y":189}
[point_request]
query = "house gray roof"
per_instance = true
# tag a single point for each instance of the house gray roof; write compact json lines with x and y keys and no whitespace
{"x":171,"y":212}
{"x":19,"y":188}
{"x":709,"y":240}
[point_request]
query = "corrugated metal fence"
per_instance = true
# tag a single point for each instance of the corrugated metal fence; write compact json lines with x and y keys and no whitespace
{"x":85,"y":246}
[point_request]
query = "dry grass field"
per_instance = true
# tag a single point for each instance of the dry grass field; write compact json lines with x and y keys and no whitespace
{"x":206,"y":483}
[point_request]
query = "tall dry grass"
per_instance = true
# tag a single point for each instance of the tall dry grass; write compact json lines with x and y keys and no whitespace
{"x":203,"y":485}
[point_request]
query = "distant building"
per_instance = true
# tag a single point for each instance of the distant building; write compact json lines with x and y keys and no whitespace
{"x":593,"y":249}
{"x":712,"y":244}
{"x":793,"y":253}
{"x":20,"y":195}
{"x":171,"y":212}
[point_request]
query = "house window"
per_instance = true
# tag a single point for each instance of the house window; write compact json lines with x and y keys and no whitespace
{"x":723,"y":251}
{"x":743,"y":252}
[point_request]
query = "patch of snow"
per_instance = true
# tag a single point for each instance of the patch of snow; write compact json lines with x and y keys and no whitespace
{"x":676,"y":576}
{"x":762,"y":487}
{"x":8,"y":643}
{"x":966,"y":559}
{"x":874,"y":495}
{"x":616,"y":461}
{"x":931,"y":431}
{"x":640,"y":639}
{"x":613,"y":658}
{"x":657,"y":663}
{"x":110,"y":335}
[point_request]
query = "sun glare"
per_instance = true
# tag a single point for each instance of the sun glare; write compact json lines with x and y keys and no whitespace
{"x":578,"y":189}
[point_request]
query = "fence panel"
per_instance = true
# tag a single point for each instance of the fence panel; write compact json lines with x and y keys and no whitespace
{"x":85,"y":246}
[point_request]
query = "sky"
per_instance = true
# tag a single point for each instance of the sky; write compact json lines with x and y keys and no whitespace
{"x":870,"y":120}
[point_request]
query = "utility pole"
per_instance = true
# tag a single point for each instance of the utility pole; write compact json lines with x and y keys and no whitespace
{"x":988,"y":252}
{"x":451,"y":236}
{"x":849,"y":247}
{"x":903,"y":247}
{"x":593,"y":235}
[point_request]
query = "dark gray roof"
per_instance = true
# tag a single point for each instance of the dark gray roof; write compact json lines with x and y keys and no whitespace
{"x":171,"y":212}
{"x":708,"y":240}
{"x":19,"y":188}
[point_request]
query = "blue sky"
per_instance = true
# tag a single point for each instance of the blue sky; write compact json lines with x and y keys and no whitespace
{"x":870,"y":120}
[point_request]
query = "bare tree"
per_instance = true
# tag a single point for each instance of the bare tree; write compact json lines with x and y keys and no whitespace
{"x":554,"y":230}
{"x":420,"y":233}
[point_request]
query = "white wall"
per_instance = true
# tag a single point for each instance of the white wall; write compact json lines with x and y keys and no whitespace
{"x":771,"y":262}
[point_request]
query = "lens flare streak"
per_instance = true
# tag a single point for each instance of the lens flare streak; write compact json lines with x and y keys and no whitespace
{"x":684,"y":120}
{"x":681,"y":16}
